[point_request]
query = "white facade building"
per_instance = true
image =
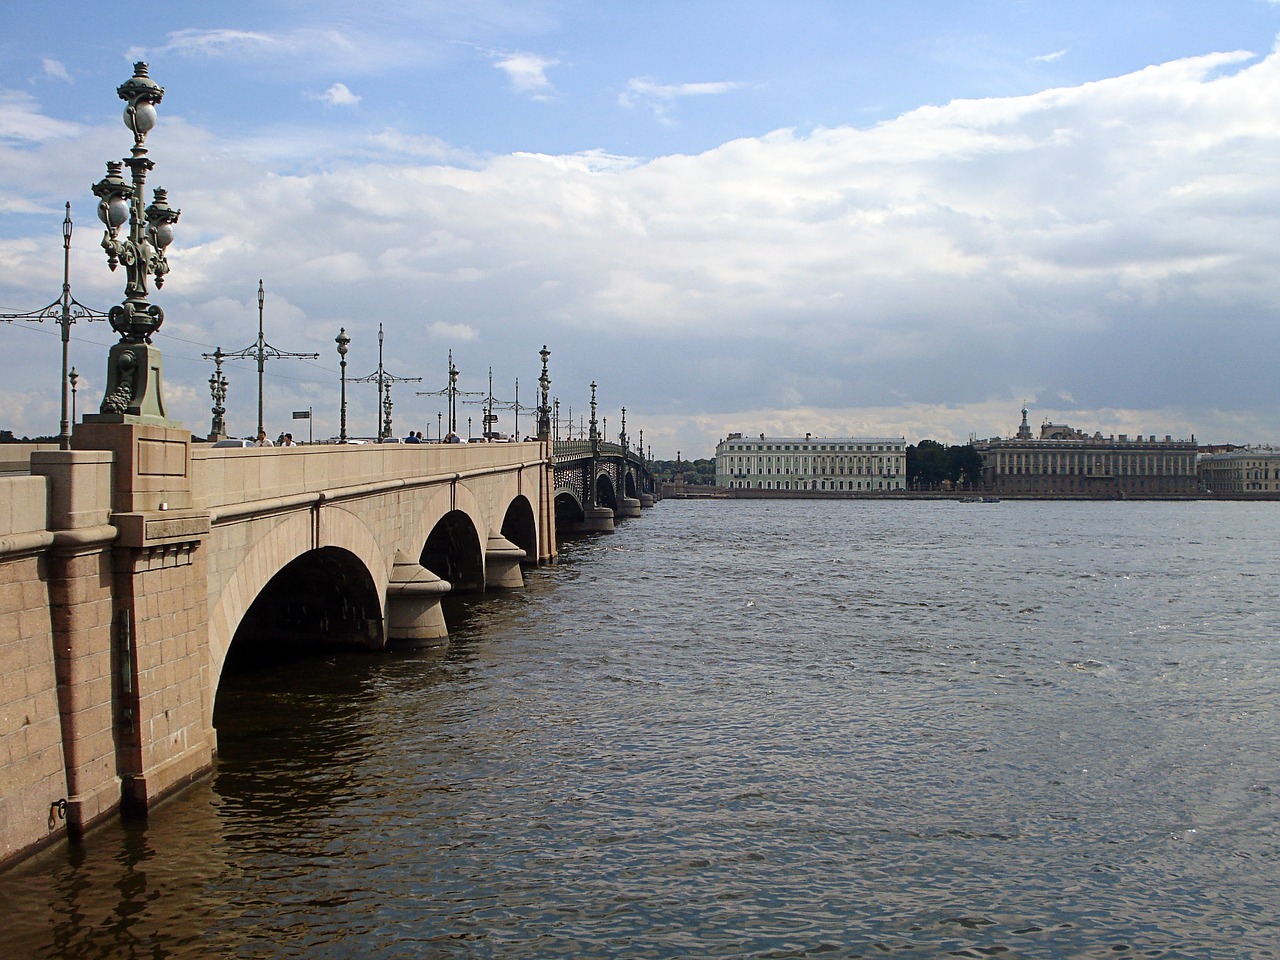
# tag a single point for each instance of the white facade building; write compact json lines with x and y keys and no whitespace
{"x":1253,"y":471}
{"x":848,"y":464}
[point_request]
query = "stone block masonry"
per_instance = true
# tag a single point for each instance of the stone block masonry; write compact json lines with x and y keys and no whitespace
{"x":32,"y":769}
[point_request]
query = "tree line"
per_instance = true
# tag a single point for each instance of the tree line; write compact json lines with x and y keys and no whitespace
{"x":930,"y":465}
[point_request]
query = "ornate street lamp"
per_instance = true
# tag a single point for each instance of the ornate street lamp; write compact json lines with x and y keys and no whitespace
{"x":544,"y":408}
{"x":74,"y":378}
{"x":595,"y":436}
{"x":218,"y":391}
{"x":133,"y":391}
{"x":343,"y":342}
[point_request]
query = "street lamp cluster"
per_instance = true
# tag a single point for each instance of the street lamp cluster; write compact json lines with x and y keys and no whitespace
{"x":133,"y":366}
{"x":133,"y":383}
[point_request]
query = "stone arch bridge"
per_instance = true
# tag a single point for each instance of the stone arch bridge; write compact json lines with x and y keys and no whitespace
{"x":130,"y":565}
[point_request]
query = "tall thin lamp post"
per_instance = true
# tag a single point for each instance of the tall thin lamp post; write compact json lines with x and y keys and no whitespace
{"x":64,"y":311}
{"x":262,"y":352}
{"x":451,"y":393}
{"x":344,"y":343}
{"x":74,"y":378}
{"x":384,"y":380}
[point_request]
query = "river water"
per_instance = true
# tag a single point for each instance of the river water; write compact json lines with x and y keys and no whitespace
{"x":749,"y":729}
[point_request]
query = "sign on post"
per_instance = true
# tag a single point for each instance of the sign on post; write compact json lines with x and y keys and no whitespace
{"x":305,"y":415}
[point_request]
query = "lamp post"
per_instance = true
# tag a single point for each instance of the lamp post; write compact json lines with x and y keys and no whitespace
{"x":343,"y":342}
{"x":595,"y":436}
{"x":74,"y":378}
{"x":263,"y":351}
{"x":384,"y":380}
{"x":468,"y":429}
{"x":218,"y":391}
{"x":544,"y":408}
{"x":65,"y":311}
{"x":133,"y":391}
{"x":451,"y":393}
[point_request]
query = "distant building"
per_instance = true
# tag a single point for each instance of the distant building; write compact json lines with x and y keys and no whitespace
{"x":1067,"y":462}
{"x":849,"y":464}
{"x":1242,"y":472}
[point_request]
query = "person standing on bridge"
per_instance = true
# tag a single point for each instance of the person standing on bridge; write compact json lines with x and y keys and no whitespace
{"x":263,"y":440}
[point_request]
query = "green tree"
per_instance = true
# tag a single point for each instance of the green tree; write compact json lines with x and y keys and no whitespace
{"x":929,"y":463}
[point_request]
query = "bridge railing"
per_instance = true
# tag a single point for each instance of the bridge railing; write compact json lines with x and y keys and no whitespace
{"x":230,"y":477}
{"x":569,"y":450}
{"x":24,"y":507}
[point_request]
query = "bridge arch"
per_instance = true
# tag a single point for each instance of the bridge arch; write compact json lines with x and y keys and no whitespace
{"x":629,"y":485}
{"x":521,"y":527}
{"x":453,"y":551}
{"x":323,"y":598}
{"x":287,"y":540}
{"x":605,"y":494}
{"x":569,"y":509}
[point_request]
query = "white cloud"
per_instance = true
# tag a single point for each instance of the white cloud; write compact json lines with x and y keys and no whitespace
{"x":338,"y":95}
{"x":527,"y":73}
{"x":1050,"y":57}
{"x":55,"y":69}
{"x":453,"y":332}
{"x":921,"y":277}
{"x":217,"y":43}
{"x":22,"y":121}
{"x":659,"y":97}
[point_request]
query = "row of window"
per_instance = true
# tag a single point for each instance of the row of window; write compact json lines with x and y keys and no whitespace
{"x":850,"y":485}
{"x":858,"y":466}
{"x":810,"y":448}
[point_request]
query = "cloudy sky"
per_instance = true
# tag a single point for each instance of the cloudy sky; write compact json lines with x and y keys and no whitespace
{"x":841,"y":217}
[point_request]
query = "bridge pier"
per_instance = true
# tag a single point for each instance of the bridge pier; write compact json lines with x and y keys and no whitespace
{"x":502,"y":564}
{"x":597,"y":520}
{"x":628,"y":507}
{"x":160,"y":626}
{"x":414,"y":616}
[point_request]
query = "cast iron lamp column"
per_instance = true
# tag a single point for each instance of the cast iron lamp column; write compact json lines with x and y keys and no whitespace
{"x":133,"y":389}
{"x":544,"y":408}
{"x":343,"y":342}
{"x":218,"y":392}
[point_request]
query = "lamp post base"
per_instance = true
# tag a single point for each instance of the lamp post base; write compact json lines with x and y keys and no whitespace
{"x":134,"y":380}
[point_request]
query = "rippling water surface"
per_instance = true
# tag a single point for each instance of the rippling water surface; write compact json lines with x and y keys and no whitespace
{"x":750,"y":729}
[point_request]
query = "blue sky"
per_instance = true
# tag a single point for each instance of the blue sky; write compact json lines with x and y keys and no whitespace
{"x":838,"y":218}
